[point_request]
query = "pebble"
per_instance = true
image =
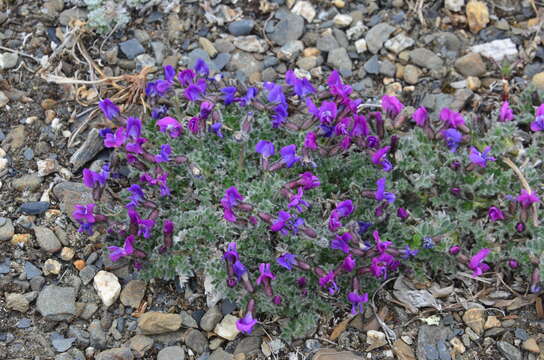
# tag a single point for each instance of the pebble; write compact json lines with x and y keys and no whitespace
{"x":426,"y":58}
{"x":339,"y":59}
{"x":342,"y":20}
{"x":220,"y":354}
{"x":291,"y":27}
{"x":153,"y":322}
{"x":67,"y":253}
{"x":140,"y":344}
{"x":143,"y":60}
{"x":8,"y":60}
{"x":131,"y":48}
{"x":51,"y":267}
{"x":477,"y":15}
{"x":471,"y":65}
{"x":454,"y":5}
{"x":531,"y":345}
{"x":46,"y":167}
{"x":17,"y":302}
{"x":509,"y":351}
{"x":251,"y":43}
{"x":122,"y":353}
{"x":327,"y":42}
{"x":250,"y":346}
{"x":241,"y":27}
{"x":304,"y":9}
{"x":51,"y":308}
{"x":399,"y":43}
{"x":172,"y":353}
{"x":492,"y":322}
{"x":133,"y":293}
{"x":4,"y":100}
{"x":196,"y":341}
{"x":60,"y":343}
{"x":47,"y":239}
{"x":27,"y":182}
{"x":72,"y":193}
{"x":307,"y":62}
{"x":211,"y":318}
{"x":497,"y":50}
{"x":411,"y":74}
{"x":159,"y":51}
{"x":227,"y":328}
{"x":7,"y":230}
{"x":107,"y":287}
{"x":24,"y":323}
{"x":15,"y":139}
{"x":31,"y":270}
{"x":356,"y":31}
{"x":87,"y":273}
{"x":34,"y":207}
{"x":376,"y":36}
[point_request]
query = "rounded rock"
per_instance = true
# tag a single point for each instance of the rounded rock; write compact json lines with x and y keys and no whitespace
{"x":107,"y":287}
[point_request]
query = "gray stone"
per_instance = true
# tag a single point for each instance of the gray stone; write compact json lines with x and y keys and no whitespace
{"x":60,"y":343}
{"x":187,"y":320}
{"x":92,"y":145}
{"x":144,"y":60}
{"x":131,"y":48}
{"x":27,"y":182}
{"x":327,"y":43}
{"x":251,"y":43}
{"x":87,"y":273}
{"x":196,"y":341}
{"x":211,"y":318}
{"x":5,"y":266}
{"x":242,"y":61}
{"x":291,"y":50}
{"x":425,"y":58}
{"x":446,"y":43}
{"x":71,"y":193}
{"x":221,"y":60}
{"x":28,"y":153}
{"x":88,"y":311}
{"x":37,"y":283}
{"x":454,"y":5}
{"x":411,"y":74}
{"x":290,"y":28}
{"x":241,"y":27}
{"x":72,"y":14}
{"x":387,"y":68}
{"x":123,"y":353}
{"x":521,"y":334}
{"x":97,"y":336}
{"x":15,"y":140}
{"x":171,"y":353}
{"x":159,"y":51}
{"x":509,"y":351}
{"x":399,"y":43}
{"x":34,"y":207}
{"x":377,"y":36}
{"x":24,"y":323}
{"x":220,"y":354}
{"x":4,"y":100}
{"x":431,"y":342}
{"x":356,"y":31}
{"x":250,"y":346}
{"x":307,"y":63}
{"x":17,"y":302}
{"x":47,"y":239}
{"x":133,"y":293}
{"x":140,"y":344}
{"x":57,"y":303}
{"x":200,"y":54}
{"x":341,"y":37}
{"x":372,"y":66}
{"x":471,"y":65}
{"x":82,"y":336}
{"x":339,"y":59}
{"x":8,"y":60}
{"x":6,"y":229}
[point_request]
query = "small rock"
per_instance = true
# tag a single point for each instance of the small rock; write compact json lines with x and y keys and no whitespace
{"x":251,"y":43}
{"x":377,"y":36}
{"x":497,"y":50}
{"x":133,"y":293}
{"x":115,"y":354}
{"x":333,"y":354}
{"x":250,"y":346}
{"x":89,"y":149}
{"x":87,"y":273}
{"x":342,"y":20}
{"x":8,"y":60}
{"x":399,"y":43}
{"x":107,"y":287}
{"x":220,"y":354}
{"x":375,"y":339}
{"x":159,"y":51}
{"x":172,"y":353}
{"x":454,"y":5}
{"x":51,"y":267}
{"x":131,"y":48}
{"x":290,"y":28}
{"x":241,"y":27}
{"x":31,"y":270}
{"x":17,"y":302}
{"x":477,"y":15}
{"x":60,"y":343}
{"x":27,"y":182}
{"x":51,"y":308}
{"x":24,"y":323}
{"x":196,"y":341}
{"x":158,"y":323}
{"x":5,"y":266}
{"x":291,"y":50}
{"x":470,"y":65}
{"x":211,"y":318}
{"x":473,"y":83}
{"x":307,"y":63}
{"x":15,"y":139}
{"x":140,"y":344}
{"x":187,"y":320}
{"x":47,"y":239}
{"x":72,"y":193}
{"x":492,"y":322}
{"x":339,"y":59}
{"x":227,"y":328}
{"x":509,"y":351}
{"x":426,"y":58}
{"x":531,"y":345}
{"x":538,"y":81}
{"x":457,"y":345}
{"x":46,"y":167}
{"x":67,"y":253}
{"x":34,"y":207}
{"x":144,"y":60}
{"x":207,"y":46}
{"x":411,"y":74}
{"x":4,"y":100}
{"x":28,"y":154}
{"x":327,"y":42}
{"x":304,"y":9}
{"x":356,"y":31}
{"x":6,"y":229}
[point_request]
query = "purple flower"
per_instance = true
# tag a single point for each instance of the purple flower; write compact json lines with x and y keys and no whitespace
{"x":373,"y":142}
{"x":402,"y":213}
{"x":520,"y":227}
{"x":193,"y":125}
{"x":136,"y":146}
{"x":161,"y":87}
{"x":159,"y":112}
{"x":275,"y":93}
{"x":231,"y":254}
{"x":326,"y":113}
{"x":265,"y":148}
{"x":363,"y":226}
{"x":229,"y":93}
{"x":280,"y":115}
{"x":476,"y":262}
{"x":380,"y":193}
{"x":308,"y":181}
{"x":526,"y":198}
{"x":170,"y":126}
{"x":194,"y":91}
{"x":109,"y":109}
{"x":495,"y":214}
{"x":239,"y":269}
{"x":454,"y":250}
{"x":506,"y":113}
{"x":145,"y":227}
{"x":250,"y":94}
{"x":420,"y":116}
{"x":328,"y":281}
{"x":245,"y":325}
{"x":297,"y":202}
{"x":357,"y":300}
{"x":206,"y":108}
{"x":348,"y":264}
{"x":115,"y":140}
{"x":169,"y":72}
{"x":117,"y":253}
{"x":137,"y":195}
{"x":186,"y":77}
{"x":344,"y":208}
{"x":379,"y":158}
{"x":164,"y":156}
{"x":288,"y":155}
{"x":266,"y":274}
{"x":392,"y":106}
{"x":92,"y":179}
{"x":310,"y":142}
{"x":302,"y":87}
{"x":381,"y":246}
{"x":232,"y":197}
{"x":83,"y":214}
{"x":337,"y":87}
{"x":381,"y":264}
{"x":538,"y":124}
{"x":480,"y":158}
{"x":453,"y":138}
{"x":408,"y":252}
{"x":360,"y":126}
{"x":334,"y":221}
{"x":341,"y":242}
{"x":201,"y":67}
{"x":216,"y":128}
{"x":452,"y":118}
{"x":513,"y":264}
{"x":281,"y":222}
{"x":134,"y":128}
{"x":287,"y":261}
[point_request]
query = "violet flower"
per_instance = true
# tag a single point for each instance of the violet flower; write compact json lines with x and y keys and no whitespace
{"x":408,"y":252}
{"x":216,"y":128}
{"x":337,"y":87}
{"x":193,"y":125}
{"x":136,"y":146}
{"x":302,"y":87}
{"x":379,"y":158}
{"x":495,"y":214}
{"x":328,"y":281}
{"x":348,"y":264}
{"x":229,"y":201}
{"x":480,"y":158}
{"x":288,"y":155}
{"x":250,"y":95}
{"x":381,"y":246}
{"x":297,"y":202}
{"x":193,"y":92}
{"x":167,"y":233}
{"x":326,"y":113}
{"x":206,"y":108}
{"x":231,"y":254}
{"x":287,"y":261}
{"x":265,"y":277}
{"x":454,"y":250}
{"x":380,"y":193}
{"x":476,"y":262}
{"x":92,"y":179}
{"x":453,"y":138}
{"x":201,"y":68}
{"x":308,"y":181}
{"x":402,"y":213}
{"x":239,"y":269}
{"x":520,"y":227}
{"x":115,"y":140}
{"x":117,"y":253}
{"x":357,"y":300}
{"x":164,"y":155}
{"x":280,"y":115}
{"x":134,"y":128}
{"x":171,"y":126}
{"x":186,"y":77}
{"x":452,"y":118}
{"x":506,"y":113}
{"x":341,"y":242}
{"x":392,"y":106}
{"x":513,"y":264}
{"x":281,"y":222}
{"x":526,"y":198}
{"x":84,"y":215}
{"x":136,"y":197}
{"x":169,"y":72}
{"x":246,"y":324}
{"x":275,"y":93}
{"x":229,"y":93}
{"x":310,"y":142}
{"x":420,"y":116}
{"x":265,"y":148}
{"x":538,"y":124}
{"x":159,"y":112}
{"x":109,"y":109}
{"x":363,"y":226}
{"x":345,"y":208}
{"x":360,"y":126}
{"x":381,"y":264}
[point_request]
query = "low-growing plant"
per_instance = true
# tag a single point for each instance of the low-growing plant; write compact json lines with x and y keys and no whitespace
{"x":294,"y":198}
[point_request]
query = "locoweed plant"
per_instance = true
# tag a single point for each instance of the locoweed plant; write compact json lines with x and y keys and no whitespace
{"x":292,"y":197}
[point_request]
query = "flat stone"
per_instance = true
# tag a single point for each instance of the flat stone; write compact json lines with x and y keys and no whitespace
{"x":376,"y":36}
{"x":431,"y":343}
{"x":497,"y":50}
{"x":72,"y":193}
{"x":133,"y":293}
{"x":172,"y":353}
{"x":342,"y":20}
{"x":144,"y":60}
{"x":27,"y":182}
{"x":87,"y":274}
{"x":187,"y":320}
{"x":211,"y":318}
{"x":227,"y":328}
{"x":399,"y":43}
{"x":158,"y":323}
{"x":47,"y":239}
{"x":31,"y":270}
{"x":6,"y":229}
{"x":304,"y":9}
{"x":251,"y":43}
{"x":403,"y":351}
{"x":107,"y":287}
{"x":8,"y":60}
{"x":492,"y":322}
{"x":242,"y":61}
{"x":333,"y":354}
{"x":5,"y":266}
{"x":51,"y":267}
{"x":4,"y":100}
{"x":475,"y":319}
{"x":509,"y":351}
{"x":57,"y":303}
{"x":411,"y":74}
{"x":140,"y":344}
{"x":340,"y":60}
{"x":17,"y":302}
{"x":220,"y":354}
{"x":131,"y":48}
{"x":531,"y":345}
{"x":291,"y":50}
{"x":375,"y":339}
{"x":34,"y":207}
{"x":196,"y":341}
{"x":116,"y":354}
{"x":356,"y":31}
{"x":15,"y":139}
{"x":290,"y":28}
{"x":327,"y":42}
{"x":207,"y":46}
{"x":250,"y":346}
{"x":470,"y":65}
{"x":454,"y":5}
{"x":60,"y":343}
{"x":94,"y":143}
{"x":241,"y":27}
{"x":426,"y":58}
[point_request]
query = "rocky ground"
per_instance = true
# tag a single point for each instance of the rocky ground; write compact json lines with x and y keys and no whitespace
{"x":61,"y":297}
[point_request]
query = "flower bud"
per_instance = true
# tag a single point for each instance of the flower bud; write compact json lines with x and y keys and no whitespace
{"x":277,"y":300}
{"x":456,"y":191}
{"x":454,"y":250}
{"x":513,"y":264}
{"x":520,"y":227}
